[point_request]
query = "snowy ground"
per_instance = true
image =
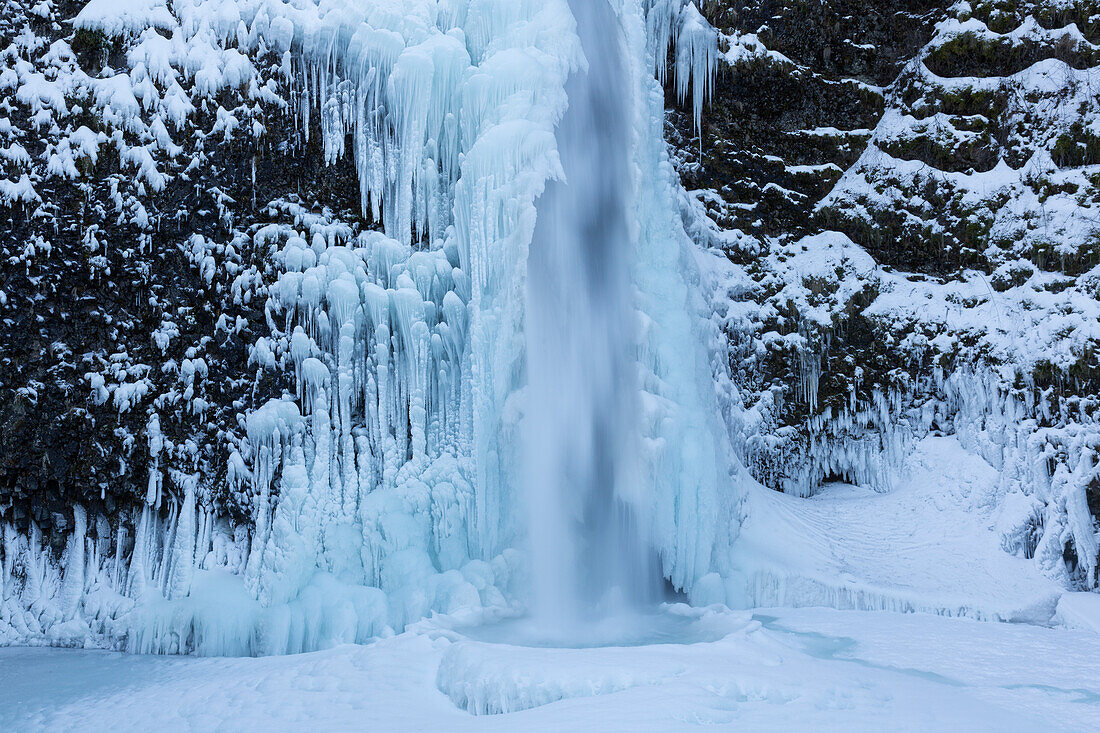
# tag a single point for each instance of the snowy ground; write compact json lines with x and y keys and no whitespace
{"x":931,"y":546}
{"x":793,"y":669}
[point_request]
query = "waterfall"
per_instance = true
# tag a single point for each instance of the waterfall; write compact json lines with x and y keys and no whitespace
{"x":581,"y":429}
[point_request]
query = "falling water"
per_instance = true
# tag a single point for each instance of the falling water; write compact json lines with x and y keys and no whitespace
{"x":587,"y":544}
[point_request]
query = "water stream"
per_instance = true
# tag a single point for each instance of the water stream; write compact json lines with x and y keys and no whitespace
{"x":589,"y":554}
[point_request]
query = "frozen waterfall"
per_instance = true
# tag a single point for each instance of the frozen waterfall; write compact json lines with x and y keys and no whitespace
{"x":523,"y":322}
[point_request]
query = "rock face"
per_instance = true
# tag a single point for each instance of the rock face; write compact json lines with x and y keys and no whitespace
{"x":898,"y":199}
{"x":907,"y":196}
{"x":801,"y":88}
{"x":132,"y":288}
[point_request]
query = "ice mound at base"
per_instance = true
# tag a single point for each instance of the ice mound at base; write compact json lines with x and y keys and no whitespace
{"x":488,"y":678}
{"x":1079,"y":611}
{"x":220,"y":618}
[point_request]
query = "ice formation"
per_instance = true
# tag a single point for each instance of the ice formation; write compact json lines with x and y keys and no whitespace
{"x":388,"y":486}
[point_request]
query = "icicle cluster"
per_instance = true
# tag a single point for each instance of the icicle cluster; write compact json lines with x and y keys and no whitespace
{"x":1047,"y":464}
{"x":679,"y":27}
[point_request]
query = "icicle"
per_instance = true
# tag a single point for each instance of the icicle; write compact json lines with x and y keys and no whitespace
{"x":156,"y":444}
{"x":678,"y":25}
{"x":138,"y":579}
{"x":696,"y":62}
{"x":72,"y":589}
{"x":183,"y":546}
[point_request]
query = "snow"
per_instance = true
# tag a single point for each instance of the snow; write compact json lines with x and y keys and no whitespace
{"x":771,"y":670}
{"x":930,"y":544}
{"x":115,"y":17}
{"x":21,"y":191}
{"x":747,"y":47}
{"x":1079,"y":610}
{"x":1047,"y":98}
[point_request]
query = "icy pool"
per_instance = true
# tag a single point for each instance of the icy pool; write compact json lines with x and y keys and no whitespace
{"x":666,"y":625}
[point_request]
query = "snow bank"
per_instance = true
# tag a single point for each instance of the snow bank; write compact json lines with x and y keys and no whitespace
{"x":1079,"y":611}
{"x":928,"y":545}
